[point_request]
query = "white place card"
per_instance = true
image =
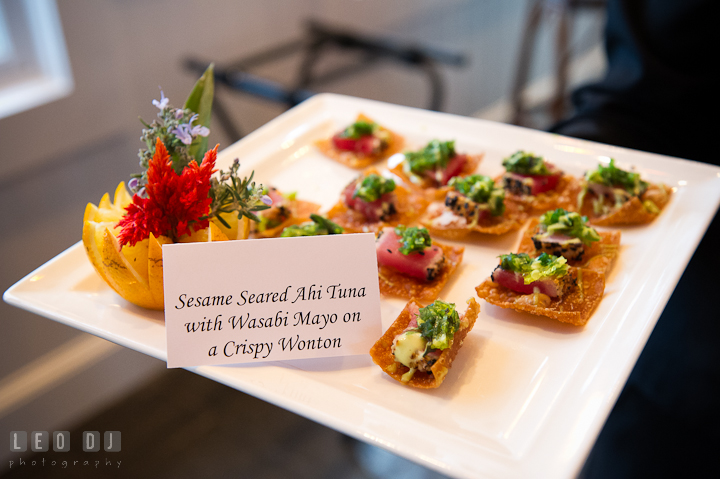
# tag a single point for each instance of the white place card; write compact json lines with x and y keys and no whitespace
{"x":270,"y":299}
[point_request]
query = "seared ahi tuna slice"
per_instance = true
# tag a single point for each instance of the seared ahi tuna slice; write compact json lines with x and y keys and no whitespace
{"x":366,"y":145}
{"x":463,"y":206}
{"x":571,"y":248}
{"x":553,"y":287}
{"x":379,"y":210}
{"x":454,"y":168}
{"x":521,"y":185}
{"x":425,"y":264}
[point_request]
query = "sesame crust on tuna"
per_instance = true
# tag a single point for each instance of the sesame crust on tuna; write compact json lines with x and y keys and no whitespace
{"x":598,"y":256}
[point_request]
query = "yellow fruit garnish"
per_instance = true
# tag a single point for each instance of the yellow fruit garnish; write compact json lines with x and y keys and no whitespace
{"x":135,"y":272}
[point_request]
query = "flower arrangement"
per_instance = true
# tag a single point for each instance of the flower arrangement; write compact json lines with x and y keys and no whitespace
{"x":176,"y":198}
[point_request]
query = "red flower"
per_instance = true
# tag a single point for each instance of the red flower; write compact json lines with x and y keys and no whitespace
{"x":174,"y":204}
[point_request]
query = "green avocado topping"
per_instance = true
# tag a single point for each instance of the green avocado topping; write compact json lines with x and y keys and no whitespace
{"x":359,"y":129}
{"x":435,"y":156}
{"x":318,"y":226}
{"x":438,"y":323}
{"x":413,"y":239}
{"x":372,"y":187}
{"x":615,"y":177}
{"x":569,"y":224}
{"x":524,"y":163}
{"x":481,"y":189}
{"x":534,"y":269}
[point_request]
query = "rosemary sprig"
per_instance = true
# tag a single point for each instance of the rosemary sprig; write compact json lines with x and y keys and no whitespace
{"x":231,"y":194}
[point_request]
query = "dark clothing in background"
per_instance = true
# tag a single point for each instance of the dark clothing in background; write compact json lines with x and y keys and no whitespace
{"x":661,"y":94}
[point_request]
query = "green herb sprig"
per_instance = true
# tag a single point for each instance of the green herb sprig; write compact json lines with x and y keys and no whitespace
{"x":569,"y":223}
{"x":615,"y":177}
{"x":230,"y":194}
{"x":359,"y":129}
{"x":438,"y":323}
{"x":319,"y":226}
{"x":481,"y":189}
{"x":373,"y":186}
{"x":413,"y":239}
{"x":534,"y":269}
{"x":525,"y":163}
{"x":434,"y":156}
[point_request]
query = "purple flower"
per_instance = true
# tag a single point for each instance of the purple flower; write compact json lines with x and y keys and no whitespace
{"x":182,"y":132}
{"x":267,"y":200}
{"x":186,"y":132}
{"x":133,"y":184}
{"x":163,"y":101}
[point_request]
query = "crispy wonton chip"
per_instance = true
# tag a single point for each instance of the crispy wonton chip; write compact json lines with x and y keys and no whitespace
{"x":598,"y":256}
{"x":409,"y":205}
{"x":635,"y":211}
{"x":442,"y":222}
{"x":575,"y":307}
{"x":360,"y":160}
{"x":394,"y":283}
{"x":382,"y":355}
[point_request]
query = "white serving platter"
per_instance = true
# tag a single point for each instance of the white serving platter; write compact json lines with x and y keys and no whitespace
{"x":527,"y":395}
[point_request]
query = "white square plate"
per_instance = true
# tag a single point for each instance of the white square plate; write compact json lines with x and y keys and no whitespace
{"x":526,"y":394}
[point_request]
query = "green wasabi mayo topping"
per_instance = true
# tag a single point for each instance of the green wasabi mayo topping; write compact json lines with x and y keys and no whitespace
{"x":319,"y":226}
{"x":534,"y":269}
{"x":568,"y":223}
{"x":372,"y":187}
{"x":615,"y":177}
{"x":413,"y":239}
{"x":524,"y":163}
{"x":434,"y":156}
{"x":481,"y":189}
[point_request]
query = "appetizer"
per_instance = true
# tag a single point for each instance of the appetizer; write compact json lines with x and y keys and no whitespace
{"x":372,"y":200}
{"x":611,"y":196}
{"x":318,"y":226}
{"x":361,"y":144}
{"x":536,"y":184}
{"x":472,"y":203}
{"x":563,"y":233}
{"x":286,"y":210}
{"x":434,"y":165}
{"x":411,"y":265}
{"x":420,"y":346}
{"x":545,"y":286}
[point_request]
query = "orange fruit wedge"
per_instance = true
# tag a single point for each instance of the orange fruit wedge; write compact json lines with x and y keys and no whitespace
{"x":136,"y":272}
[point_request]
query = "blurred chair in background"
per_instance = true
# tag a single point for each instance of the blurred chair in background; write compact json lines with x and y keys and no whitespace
{"x":319,"y":41}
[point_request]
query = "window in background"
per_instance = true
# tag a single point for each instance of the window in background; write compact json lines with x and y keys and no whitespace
{"x":34,"y":66}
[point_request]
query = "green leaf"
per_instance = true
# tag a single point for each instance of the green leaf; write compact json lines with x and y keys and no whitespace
{"x":200,"y":101}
